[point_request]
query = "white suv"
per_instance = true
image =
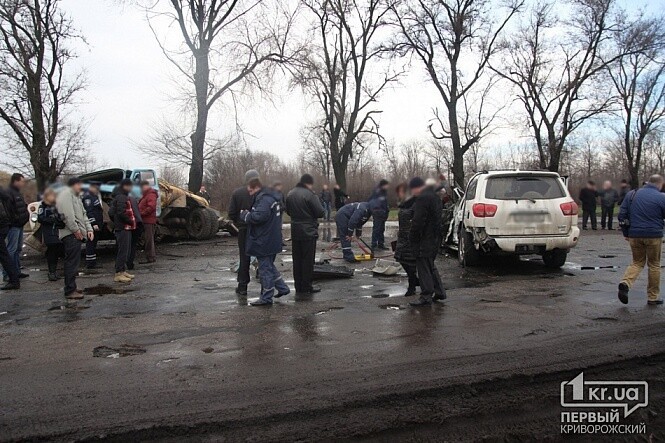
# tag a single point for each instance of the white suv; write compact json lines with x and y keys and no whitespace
{"x":515,"y":212}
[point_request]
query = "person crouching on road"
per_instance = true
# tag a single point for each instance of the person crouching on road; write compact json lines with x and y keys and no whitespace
{"x":121,"y":212}
{"x":641,"y":220}
{"x":50,"y":220}
{"x":13,"y":279}
{"x":425,"y":239}
{"x":264,"y":239}
{"x":76,"y":230}
{"x":350,"y":220}
{"x":241,"y":200}
{"x":404,"y":253}
{"x":148,"y":207}
{"x":305,"y":209}
{"x":93,"y":208}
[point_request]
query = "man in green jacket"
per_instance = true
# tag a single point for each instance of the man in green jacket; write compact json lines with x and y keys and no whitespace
{"x":77,"y":229}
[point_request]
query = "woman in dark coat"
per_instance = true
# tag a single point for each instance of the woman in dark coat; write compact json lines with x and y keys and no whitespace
{"x":50,"y":222}
{"x":403,"y":251}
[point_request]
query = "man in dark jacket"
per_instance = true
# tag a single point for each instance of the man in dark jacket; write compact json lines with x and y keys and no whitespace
{"x":305,"y":209}
{"x":136,"y":233}
{"x":18,"y":211}
{"x":264,"y":239}
{"x":378,"y":204}
{"x":425,"y":238}
{"x":641,"y":220}
{"x":624,"y":189}
{"x":350,"y":220}
{"x":241,"y":200}
{"x":588,"y":197}
{"x":608,"y":199}
{"x":203,"y":193}
{"x":6,"y":261}
{"x":326,"y":202}
{"x":122,"y":213}
{"x":404,"y":252}
{"x":148,"y":209}
{"x":93,"y":208}
{"x":340,"y":197}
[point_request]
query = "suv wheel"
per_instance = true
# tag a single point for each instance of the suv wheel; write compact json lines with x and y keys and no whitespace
{"x":555,"y":258}
{"x":468,"y":255}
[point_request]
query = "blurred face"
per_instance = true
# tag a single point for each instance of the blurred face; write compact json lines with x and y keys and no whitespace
{"x":76,"y":188}
{"x":49,"y":197}
{"x":417,"y":191}
{"x":20,"y":183}
{"x":607,"y":185}
{"x":127,"y":188}
{"x":203,"y":188}
{"x":145,"y":188}
{"x":325,"y":187}
{"x":401,"y":193}
{"x":279,"y":188}
{"x":385,"y":187}
{"x":336,"y":186}
{"x":94,"y":189}
{"x":253,"y":190}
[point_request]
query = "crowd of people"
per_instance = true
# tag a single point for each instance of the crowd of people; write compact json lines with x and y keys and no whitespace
{"x":69,"y":217}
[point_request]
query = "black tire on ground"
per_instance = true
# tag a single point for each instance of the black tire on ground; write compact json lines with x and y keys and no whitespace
{"x":213,"y":220}
{"x":555,"y":258}
{"x":198,"y":224}
{"x":467,"y":254}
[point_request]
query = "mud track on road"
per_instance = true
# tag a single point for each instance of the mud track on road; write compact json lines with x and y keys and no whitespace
{"x":513,"y":409}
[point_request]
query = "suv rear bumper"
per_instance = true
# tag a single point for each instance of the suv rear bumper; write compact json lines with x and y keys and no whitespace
{"x":538,"y":244}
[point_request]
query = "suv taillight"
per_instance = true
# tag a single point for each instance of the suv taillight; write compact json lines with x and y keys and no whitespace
{"x":569,"y":208}
{"x":482,"y":210}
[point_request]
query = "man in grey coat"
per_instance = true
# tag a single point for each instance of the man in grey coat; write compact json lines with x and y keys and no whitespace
{"x":304,"y":208}
{"x":608,"y":199}
{"x":77,"y":229}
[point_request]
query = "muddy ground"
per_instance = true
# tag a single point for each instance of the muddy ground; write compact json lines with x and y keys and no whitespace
{"x":177,"y":356}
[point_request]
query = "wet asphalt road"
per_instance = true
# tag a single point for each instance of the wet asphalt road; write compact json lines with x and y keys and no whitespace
{"x":189,"y":360}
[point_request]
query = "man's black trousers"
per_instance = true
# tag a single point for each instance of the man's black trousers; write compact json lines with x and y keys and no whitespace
{"x":304,"y":253}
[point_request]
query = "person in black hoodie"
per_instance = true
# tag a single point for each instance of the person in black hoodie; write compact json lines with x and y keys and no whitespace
{"x":242,"y":200}
{"x":51,"y":221}
{"x":19,"y":215}
{"x":6,"y":262}
{"x":404,"y":253}
{"x":425,"y":238}
{"x":588,"y":198}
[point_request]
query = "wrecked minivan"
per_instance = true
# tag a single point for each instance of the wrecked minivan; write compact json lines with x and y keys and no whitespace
{"x":516,"y":213}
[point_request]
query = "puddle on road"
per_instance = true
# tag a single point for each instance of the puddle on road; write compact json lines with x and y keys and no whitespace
{"x":118,"y":351}
{"x":332,"y":308}
{"x":105,"y":290}
{"x":391,"y":307}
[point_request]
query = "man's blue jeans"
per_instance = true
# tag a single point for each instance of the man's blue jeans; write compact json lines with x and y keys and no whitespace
{"x":14,"y":248}
{"x":327,"y":211}
{"x":270,"y":278}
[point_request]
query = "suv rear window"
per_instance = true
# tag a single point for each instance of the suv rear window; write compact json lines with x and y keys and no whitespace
{"x":532,"y":187}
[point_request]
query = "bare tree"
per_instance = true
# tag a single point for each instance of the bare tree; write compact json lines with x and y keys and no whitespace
{"x":556,"y":64}
{"x":455,"y":40}
{"x":316,"y":151}
{"x":639,"y":83}
{"x":338,"y":73}
{"x":36,"y":91}
{"x":229,"y":47}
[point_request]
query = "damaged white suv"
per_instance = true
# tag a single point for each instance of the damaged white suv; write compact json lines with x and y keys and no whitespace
{"x":515,"y":212}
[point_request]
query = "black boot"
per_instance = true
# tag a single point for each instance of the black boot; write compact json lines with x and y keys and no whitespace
{"x":241,"y":290}
{"x":410,"y":291}
{"x":52,"y":276}
{"x":10,"y":286}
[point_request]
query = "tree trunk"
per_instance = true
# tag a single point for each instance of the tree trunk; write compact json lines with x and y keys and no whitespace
{"x":339,"y":170}
{"x":201,"y":82}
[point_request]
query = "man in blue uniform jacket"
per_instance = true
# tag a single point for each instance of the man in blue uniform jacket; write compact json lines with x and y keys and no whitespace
{"x":93,"y":209}
{"x":350,"y":220}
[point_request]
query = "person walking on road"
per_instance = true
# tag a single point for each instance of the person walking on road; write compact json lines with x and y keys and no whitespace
{"x":404,"y":252}
{"x":18,"y":211}
{"x":264,"y":240}
{"x":641,"y":219}
{"x":340,"y":197}
{"x":378,"y":204}
{"x":304,"y":208}
{"x":13,"y":281}
{"x":148,"y":208}
{"x":93,"y":208}
{"x":77,"y":229}
{"x":425,"y":239}
{"x":50,"y":223}
{"x":242,"y":200}
{"x":350,"y":220}
{"x":122,"y":213}
{"x":326,"y":202}
{"x":588,"y":198}
{"x":608,"y":199}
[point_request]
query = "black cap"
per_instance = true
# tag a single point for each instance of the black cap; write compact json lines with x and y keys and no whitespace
{"x":307,"y":179}
{"x":126,"y":181}
{"x":73,"y":181}
{"x":383,"y":182}
{"x":416,"y":182}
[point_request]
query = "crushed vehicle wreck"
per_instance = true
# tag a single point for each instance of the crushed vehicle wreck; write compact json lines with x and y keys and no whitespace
{"x":513,"y":212}
{"x":181,"y":214}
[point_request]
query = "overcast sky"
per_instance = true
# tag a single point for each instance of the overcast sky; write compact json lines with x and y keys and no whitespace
{"x":130,"y":80}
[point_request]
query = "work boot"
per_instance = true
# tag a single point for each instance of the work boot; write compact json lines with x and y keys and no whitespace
{"x":655,"y":302}
{"x":128,"y":275}
{"x":120,"y":277}
{"x":241,"y":290}
{"x":260,"y":302}
{"x":10,"y":286}
{"x":421,"y":302}
{"x":381,"y":248}
{"x":623,"y":293}
{"x":351,"y":260}
{"x":410,"y":291}
{"x":440,"y":297}
{"x":74,"y":295}
{"x":23,"y":275}
{"x":282,"y":294}
{"x":52,"y":276}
